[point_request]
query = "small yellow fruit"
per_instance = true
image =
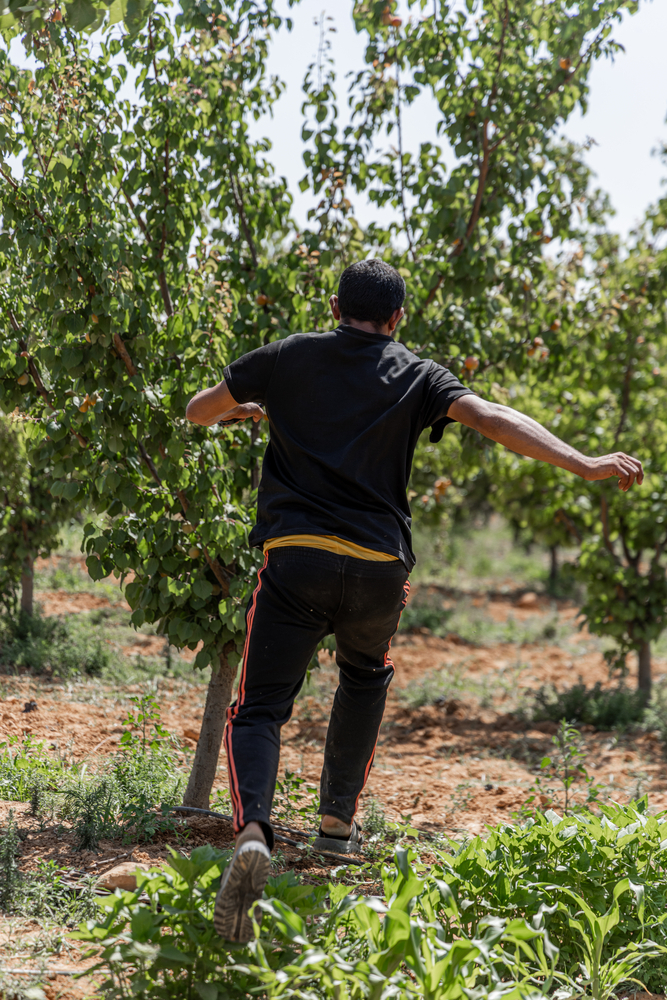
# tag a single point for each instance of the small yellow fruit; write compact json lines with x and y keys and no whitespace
{"x":88,"y":338}
{"x":555,"y":325}
{"x":23,"y":379}
{"x":94,"y":318}
{"x":538,"y":341}
{"x":193,"y":552}
{"x":471,"y":363}
{"x":84,"y":406}
{"x":531,"y":352}
{"x":262,"y":300}
{"x":564,"y":62}
{"x":188,"y":528}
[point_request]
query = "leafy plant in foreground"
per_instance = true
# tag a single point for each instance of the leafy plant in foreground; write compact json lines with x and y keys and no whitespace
{"x":520,"y":869}
{"x":369,"y":946}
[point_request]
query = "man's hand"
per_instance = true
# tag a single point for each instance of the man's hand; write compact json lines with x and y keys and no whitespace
{"x":526,"y":437}
{"x":213,"y":405}
{"x":619,"y":464}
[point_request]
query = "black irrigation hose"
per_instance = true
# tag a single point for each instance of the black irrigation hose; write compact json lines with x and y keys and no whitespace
{"x":340,"y":858}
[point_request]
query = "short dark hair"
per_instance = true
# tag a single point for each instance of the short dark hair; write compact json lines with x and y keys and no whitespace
{"x":370,"y":291}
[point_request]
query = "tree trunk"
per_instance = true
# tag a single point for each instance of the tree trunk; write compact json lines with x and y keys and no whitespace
{"x":553,"y":568}
{"x":218,"y":697}
{"x":644,"y":670}
{"x":27,"y":585}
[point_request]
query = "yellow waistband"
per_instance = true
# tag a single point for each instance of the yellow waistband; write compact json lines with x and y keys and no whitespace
{"x":330,"y":543}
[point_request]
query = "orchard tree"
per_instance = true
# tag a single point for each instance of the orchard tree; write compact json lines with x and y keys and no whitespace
{"x":600,"y":385}
{"x":504,"y":78}
{"x":30,"y":517}
{"x":139,"y":255}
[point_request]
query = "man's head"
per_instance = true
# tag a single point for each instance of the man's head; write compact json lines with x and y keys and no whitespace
{"x":370,"y":296}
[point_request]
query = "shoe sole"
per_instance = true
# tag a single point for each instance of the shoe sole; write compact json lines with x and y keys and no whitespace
{"x":333,"y":846}
{"x":243,"y":887}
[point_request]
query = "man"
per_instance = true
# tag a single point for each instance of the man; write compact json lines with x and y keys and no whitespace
{"x":345,"y":410}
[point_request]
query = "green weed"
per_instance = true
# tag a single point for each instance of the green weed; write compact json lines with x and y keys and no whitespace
{"x":435,"y":688}
{"x":603,"y":708}
{"x":294,"y":799}
{"x":52,"y":646}
{"x":26,"y":770}
{"x":131,"y":796}
{"x":567,"y":766}
{"x":10,"y":876}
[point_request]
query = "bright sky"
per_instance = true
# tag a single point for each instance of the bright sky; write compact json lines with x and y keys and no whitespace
{"x":626,"y":117}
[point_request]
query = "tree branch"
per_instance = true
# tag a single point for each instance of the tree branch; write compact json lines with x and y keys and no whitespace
{"x":625,"y":397}
{"x":238,"y":200}
{"x":632,"y":560}
{"x":122,"y":351}
{"x":32,"y":367}
{"x":213,"y":563}
{"x":604,"y":516}
{"x":569,"y":524}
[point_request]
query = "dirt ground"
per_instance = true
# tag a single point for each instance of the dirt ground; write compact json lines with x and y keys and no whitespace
{"x":453,"y":767}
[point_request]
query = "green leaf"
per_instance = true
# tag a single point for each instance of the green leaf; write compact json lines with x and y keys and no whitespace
{"x":207,"y":991}
{"x":81,"y":14}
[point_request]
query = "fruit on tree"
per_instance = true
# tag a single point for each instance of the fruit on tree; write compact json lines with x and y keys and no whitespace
{"x":471,"y":363}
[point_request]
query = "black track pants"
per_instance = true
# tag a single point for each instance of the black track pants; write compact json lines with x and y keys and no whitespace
{"x":303,"y":594}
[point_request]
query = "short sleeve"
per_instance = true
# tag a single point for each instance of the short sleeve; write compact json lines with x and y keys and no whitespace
{"x":442,"y":388}
{"x":248,"y":377}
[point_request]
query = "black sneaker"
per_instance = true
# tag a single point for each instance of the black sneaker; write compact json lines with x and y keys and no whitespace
{"x":242,"y":885}
{"x":340,"y":845}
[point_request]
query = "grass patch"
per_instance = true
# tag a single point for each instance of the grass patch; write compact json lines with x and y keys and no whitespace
{"x":53,"y":646}
{"x":604,"y":708}
{"x":434,"y":688}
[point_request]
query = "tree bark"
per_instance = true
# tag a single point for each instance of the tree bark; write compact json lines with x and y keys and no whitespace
{"x":218,"y":697}
{"x":27,"y":585}
{"x":644,"y":669}
{"x":553,"y":568}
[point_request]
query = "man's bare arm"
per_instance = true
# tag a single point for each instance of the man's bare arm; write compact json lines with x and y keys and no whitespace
{"x":525,"y":436}
{"x":211,"y":405}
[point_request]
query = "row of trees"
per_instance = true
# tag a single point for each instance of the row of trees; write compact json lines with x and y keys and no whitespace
{"x":145,"y":243}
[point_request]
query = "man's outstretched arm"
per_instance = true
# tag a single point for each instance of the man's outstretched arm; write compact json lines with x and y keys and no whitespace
{"x":525,"y":436}
{"x":211,"y":405}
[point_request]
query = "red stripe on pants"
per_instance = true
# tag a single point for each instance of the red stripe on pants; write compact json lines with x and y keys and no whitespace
{"x":233,"y":712}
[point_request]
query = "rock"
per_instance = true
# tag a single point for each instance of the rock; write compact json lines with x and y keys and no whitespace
{"x":30,"y":706}
{"x":191,"y":734}
{"x":122,"y":876}
{"x":528,"y":600}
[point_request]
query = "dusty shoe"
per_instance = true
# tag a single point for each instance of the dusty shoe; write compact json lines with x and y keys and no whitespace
{"x":242,"y":885}
{"x":340,"y":845}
